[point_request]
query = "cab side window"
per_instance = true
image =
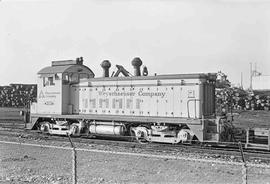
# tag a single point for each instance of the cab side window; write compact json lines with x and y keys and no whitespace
{"x":48,"y":81}
{"x":74,"y":78}
{"x":84,"y":76}
{"x":51,"y":82}
{"x":66,"y":78}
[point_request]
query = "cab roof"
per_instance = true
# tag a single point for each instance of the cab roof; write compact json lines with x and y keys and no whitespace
{"x":54,"y":69}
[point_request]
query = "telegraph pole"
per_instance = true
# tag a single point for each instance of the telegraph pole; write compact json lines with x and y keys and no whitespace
{"x":241,"y":82}
{"x":251,"y":74}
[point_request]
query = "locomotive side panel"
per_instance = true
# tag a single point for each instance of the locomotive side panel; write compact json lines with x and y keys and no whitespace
{"x":49,"y":94}
{"x":162,"y":103}
{"x":66,"y":100}
{"x":74,"y":96}
{"x":117,"y":98}
{"x":84,"y":99}
{"x":191,"y":102}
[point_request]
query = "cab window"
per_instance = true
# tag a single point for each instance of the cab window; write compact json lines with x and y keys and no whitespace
{"x":84,"y":76}
{"x":66,"y":78}
{"x":48,"y":81}
{"x":74,"y":78}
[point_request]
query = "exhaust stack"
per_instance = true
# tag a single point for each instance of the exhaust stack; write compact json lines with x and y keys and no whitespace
{"x":106,"y":66}
{"x":137,"y":63}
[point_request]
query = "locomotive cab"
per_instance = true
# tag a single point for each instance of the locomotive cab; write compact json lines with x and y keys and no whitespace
{"x":53,"y":95}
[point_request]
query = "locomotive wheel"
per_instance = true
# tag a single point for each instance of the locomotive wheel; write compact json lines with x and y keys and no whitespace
{"x":141,"y":139}
{"x":44,"y":127}
{"x":139,"y":135}
{"x":74,"y":130}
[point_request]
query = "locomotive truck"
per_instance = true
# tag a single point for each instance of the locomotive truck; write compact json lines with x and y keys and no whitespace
{"x":175,"y":108}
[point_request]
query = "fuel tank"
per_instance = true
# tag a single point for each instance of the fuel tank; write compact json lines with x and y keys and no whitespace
{"x":107,"y":128}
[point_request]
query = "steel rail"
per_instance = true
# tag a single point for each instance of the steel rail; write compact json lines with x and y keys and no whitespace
{"x":208,"y":151}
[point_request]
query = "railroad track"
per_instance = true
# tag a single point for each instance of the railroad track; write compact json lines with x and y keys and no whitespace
{"x":12,"y":123}
{"x":207,"y":151}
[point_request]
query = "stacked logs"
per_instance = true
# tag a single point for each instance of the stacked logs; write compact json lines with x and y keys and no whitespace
{"x":232,"y":99}
{"x":17,"y":95}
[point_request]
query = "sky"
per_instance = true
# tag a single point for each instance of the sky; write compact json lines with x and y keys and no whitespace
{"x":170,"y":36}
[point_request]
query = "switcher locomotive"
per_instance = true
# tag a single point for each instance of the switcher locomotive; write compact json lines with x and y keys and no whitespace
{"x":160,"y":108}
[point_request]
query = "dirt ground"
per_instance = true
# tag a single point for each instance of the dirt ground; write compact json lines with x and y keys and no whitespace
{"x":28,"y":164}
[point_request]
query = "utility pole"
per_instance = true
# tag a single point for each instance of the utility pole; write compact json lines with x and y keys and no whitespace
{"x":255,"y":69}
{"x":251,"y":74}
{"x":241,"y":83}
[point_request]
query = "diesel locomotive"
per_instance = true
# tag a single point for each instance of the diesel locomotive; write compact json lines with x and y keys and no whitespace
{"x":175,"y":108}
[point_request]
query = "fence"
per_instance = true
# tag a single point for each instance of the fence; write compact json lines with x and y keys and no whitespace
{"x":63,"y":163}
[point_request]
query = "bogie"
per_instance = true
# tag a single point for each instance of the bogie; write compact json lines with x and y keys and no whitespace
{"x":141,"y":132}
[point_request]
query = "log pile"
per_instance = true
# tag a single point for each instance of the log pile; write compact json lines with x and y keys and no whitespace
{"x":234,"y":99}
{"x":18,"y":95}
